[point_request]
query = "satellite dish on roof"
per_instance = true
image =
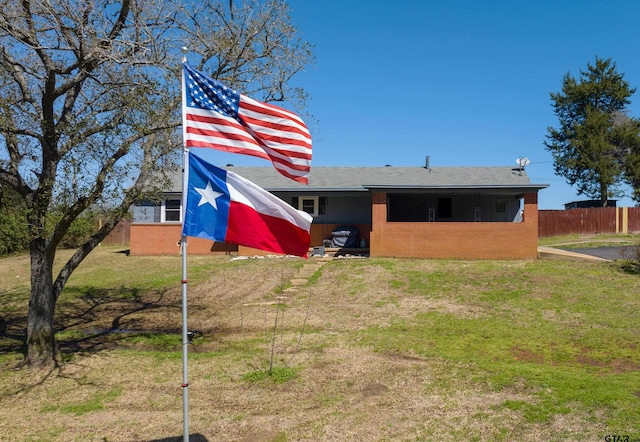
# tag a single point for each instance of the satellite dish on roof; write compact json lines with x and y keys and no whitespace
{"x":522,"y":163}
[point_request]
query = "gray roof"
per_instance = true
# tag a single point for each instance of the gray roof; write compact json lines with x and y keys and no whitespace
{"x":327,"y":179}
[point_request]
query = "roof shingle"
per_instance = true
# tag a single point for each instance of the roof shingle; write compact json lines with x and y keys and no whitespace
{"x":362,"y":178}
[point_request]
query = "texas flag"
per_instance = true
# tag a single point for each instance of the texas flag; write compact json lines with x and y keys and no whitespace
{"x":224,"y":207}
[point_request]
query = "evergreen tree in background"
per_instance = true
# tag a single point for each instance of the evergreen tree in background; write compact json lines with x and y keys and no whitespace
{"x":628,"y":136}
{"x":592,"y":147}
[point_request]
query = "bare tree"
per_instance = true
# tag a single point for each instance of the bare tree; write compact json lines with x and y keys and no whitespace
{"x":90,"y":109}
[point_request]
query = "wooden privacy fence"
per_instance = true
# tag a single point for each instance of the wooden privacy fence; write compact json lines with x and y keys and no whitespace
{"x":119,"y":236}
{"x":594,"y":221}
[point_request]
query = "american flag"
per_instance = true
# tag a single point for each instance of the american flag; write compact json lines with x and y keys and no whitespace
{"x":217,"y":117}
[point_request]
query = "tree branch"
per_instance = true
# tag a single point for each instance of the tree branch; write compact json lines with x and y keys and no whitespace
{"x":130,"y":197}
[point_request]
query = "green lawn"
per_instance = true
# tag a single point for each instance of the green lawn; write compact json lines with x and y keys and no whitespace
{"x":369,"y":349}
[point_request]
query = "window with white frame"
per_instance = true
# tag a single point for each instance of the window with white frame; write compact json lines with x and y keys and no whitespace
{"x":309,"y":204}
{"x":171,"y":210}
{"x":313,"y":205}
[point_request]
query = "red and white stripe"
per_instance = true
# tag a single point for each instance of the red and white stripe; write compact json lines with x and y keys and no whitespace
{"x":263,"y":221}
{"x":266,"y":131}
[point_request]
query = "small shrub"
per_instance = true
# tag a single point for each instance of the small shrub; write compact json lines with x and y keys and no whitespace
{"x":631,"y":261}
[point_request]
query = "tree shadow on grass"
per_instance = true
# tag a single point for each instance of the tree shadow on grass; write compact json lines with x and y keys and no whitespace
{"x":90,"y":320}
{"x":13,"y":321}
{"x":101,"y":319}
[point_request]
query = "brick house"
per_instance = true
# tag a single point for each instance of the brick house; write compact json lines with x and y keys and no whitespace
{"x":410,"y":212}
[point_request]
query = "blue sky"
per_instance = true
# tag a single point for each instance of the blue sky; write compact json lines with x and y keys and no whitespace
{"x":464,"y":82}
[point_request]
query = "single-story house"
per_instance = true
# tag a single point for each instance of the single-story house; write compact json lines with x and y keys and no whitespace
{"x":411,"y":212}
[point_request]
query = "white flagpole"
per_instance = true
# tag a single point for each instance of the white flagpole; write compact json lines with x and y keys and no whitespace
{"x":183,"y":250}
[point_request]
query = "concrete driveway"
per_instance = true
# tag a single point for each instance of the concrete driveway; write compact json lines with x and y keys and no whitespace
{"x":608,"y":253}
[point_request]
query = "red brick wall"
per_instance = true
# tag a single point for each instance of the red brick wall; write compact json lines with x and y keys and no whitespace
{"x":406,"y":240}
{"x":455,"y":240}
{"x":162,"y":239}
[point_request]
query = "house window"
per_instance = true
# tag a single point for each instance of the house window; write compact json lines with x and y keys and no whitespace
{"x":171,"y":210}
{"x":408,"y":208}
{"x":445,"y":207}
{"x":309,"y":205}
{"x":501,"y":211}
{"x":313,"y":205}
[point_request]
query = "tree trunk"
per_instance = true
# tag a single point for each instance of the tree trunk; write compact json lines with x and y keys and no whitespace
{"x":604,"y":195}
{"x":42,"y":349}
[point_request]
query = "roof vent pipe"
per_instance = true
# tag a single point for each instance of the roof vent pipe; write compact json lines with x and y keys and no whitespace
{"x":426,"y":163}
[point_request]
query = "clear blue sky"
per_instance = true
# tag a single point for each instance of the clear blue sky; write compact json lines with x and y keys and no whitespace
{"x":464,"y":82}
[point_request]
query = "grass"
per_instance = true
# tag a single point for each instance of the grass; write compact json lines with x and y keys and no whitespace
{"x":601,"y":240}
{"x":572,"y":341}
{"x":278,"y":375}
{"x":391,"y":350}
{"x":94,"y":403}
{"x":561,"y":374}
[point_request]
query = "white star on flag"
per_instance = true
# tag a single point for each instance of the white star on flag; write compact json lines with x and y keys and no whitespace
{"x":208,"y":195}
